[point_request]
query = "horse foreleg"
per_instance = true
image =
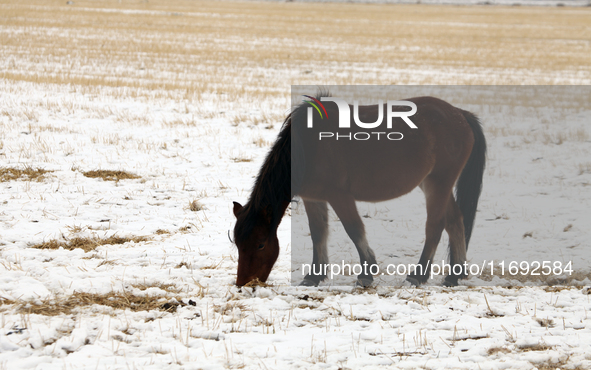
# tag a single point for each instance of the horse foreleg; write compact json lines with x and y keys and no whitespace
{"x":317,"y":213}
{"x":344,"y":206}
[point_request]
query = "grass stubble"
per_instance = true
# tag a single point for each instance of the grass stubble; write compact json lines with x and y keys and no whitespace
{"x":27,"y":174}
{"x":114,"y":300}
{"x":205,"y":47}
{"x":110,"y":175}
{"x":87,"y":244}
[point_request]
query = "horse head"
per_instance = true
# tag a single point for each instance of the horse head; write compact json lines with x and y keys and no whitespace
{"x":257,"y":243}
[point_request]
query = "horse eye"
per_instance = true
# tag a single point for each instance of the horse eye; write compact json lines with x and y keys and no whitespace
{"x":261,"y":246}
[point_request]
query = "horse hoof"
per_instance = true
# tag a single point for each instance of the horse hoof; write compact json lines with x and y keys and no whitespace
{"x":450,"y":281}
{"x":364,"y":283}
{"x":413,"y":281}
{"x":307,"y":282}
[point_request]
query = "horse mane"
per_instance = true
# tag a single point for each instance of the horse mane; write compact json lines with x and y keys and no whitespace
{"x":274,"y":185}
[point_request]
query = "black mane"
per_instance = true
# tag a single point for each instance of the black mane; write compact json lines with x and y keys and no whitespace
{"x":274,"y":184}
{"x":272,"y":187}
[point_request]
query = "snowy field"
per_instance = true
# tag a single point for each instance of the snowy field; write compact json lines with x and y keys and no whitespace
{"x":128,"y":128}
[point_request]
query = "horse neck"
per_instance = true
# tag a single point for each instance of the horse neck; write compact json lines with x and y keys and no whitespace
{"x":272,"y":190}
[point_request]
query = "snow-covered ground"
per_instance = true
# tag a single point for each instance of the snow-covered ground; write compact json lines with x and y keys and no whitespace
{"x":167,"y":300}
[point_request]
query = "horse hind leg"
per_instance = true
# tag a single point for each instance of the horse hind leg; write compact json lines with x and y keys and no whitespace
{"x":317,"y":213}
{"x":437,"y":197}
{"x":345,"y":208}
{"x":454,"y":226}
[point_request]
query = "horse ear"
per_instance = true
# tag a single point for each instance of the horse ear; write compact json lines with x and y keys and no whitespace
{"x":237,"y":208}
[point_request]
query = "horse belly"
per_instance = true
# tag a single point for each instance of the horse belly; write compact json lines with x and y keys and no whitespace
{"x":370,"y":173}
{"x":388,"y":178}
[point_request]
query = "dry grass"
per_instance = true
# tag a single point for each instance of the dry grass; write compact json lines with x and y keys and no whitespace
{"x":241,"y":159}
{"x":114,"y":300}
{"x":191,"y":122}
{"x":229,"y":307}
{"x":6,"y":301}
{"x":206,"y":46}
{"x":498,"y":350}
{"x":256,"y":283}
{"x":261,"y":142}
{"x":265,"y":119}
{"x":535,"y":347}
{"x":558,"y":365}
{"x":27,"y":173}
{"x":183,"y":264}
{"x":88,"y":243}
{"x":584,"y":168}
{"x":550,"y":282}
{"x":578,"y":135}
{"x":545,"y":323}
{"x":186,"y":229}
{"x":195,"y":206}
{"x":109,"y":175}
{"x":169,"y":288}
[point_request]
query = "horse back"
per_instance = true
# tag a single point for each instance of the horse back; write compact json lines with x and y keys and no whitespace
{"x":381,"y":163}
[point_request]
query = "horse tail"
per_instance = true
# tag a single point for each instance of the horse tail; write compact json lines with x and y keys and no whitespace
{"x":469,"y":184}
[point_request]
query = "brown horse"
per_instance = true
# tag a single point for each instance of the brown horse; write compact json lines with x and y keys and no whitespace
{"x":448,"y":147}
